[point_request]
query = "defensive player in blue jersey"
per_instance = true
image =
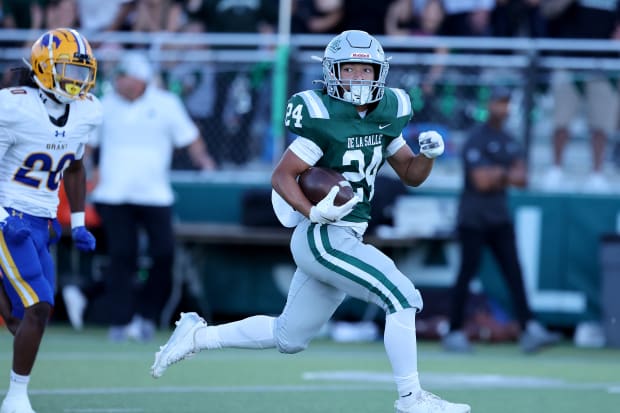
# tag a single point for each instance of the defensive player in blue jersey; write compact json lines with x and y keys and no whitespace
{"x":45,"y":123}
{"x":353,"y":126}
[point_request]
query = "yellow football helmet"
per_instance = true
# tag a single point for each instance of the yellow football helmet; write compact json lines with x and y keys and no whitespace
{"x":63,"y":64}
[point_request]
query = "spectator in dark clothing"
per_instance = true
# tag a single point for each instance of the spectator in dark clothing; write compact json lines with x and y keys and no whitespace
{"x":467,"y":18}
{"x":512,"y":18}
{"x":493,"y":162}
{"x":25,"y":14}
{"x":365,"y":15}
{"x":316,"y":16}
{"x":229,"y":138}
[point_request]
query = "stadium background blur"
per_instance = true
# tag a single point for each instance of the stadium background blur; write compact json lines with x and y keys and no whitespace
{"x":235,"y":72}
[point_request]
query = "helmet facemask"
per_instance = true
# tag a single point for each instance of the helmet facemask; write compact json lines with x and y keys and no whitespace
{"x":357,"y":92}
{"x":72,"y":81}
{"x":354,"y":46}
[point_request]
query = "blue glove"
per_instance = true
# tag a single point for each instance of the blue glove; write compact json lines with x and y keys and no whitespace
{"x":15,"y":229}
{"x":83,"y":239}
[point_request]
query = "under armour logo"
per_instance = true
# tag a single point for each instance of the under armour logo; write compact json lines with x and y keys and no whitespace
{"x":59,"y":133}
{"x":17,"y":214}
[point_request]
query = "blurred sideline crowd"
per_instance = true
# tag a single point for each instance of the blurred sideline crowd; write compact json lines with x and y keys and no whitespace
{"x":392,"y":17}
{"x":231,"y":105}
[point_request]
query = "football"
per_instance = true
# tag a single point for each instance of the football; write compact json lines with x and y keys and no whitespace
{"x":315,"y":183}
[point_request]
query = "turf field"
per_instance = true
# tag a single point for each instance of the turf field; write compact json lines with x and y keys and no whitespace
{"x":83,"y":373}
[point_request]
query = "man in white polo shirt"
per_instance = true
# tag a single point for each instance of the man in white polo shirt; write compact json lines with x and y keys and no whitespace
{"x":142,"y":125}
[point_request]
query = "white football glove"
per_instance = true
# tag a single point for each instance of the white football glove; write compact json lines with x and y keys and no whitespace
{"x":325,"y":212}
{"x":431,"y":144}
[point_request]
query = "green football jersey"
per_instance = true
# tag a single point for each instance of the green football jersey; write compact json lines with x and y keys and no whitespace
{"x":354,"y":146}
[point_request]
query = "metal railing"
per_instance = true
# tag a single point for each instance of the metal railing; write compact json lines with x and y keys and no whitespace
{"x":250,"y":59}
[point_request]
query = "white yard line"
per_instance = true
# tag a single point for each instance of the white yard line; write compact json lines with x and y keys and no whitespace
{"x":205,"y":389}
{"x":462,"y":381}
{"x":356,"y":381}
{"x":103,"y":410}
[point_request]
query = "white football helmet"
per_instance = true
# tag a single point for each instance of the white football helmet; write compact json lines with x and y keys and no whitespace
{"x":355,"y":46}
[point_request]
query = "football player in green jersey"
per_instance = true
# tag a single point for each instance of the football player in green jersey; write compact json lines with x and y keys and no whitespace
{"x":353,"y":125}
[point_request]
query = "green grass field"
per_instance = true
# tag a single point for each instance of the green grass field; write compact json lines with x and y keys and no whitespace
{"x":81,"y":372}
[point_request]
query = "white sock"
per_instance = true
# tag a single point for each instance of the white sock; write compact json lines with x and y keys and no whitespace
{"x":18,"y":385}
{"x":253,"y":332}
{"x":402,"y":350}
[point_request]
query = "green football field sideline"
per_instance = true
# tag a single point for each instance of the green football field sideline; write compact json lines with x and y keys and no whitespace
{"x":81,"y":372}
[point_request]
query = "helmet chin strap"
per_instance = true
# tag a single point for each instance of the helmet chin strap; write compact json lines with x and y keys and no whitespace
{"x":358,"y":95}
{"x":63,"y":98}
{"x":60,"y":98}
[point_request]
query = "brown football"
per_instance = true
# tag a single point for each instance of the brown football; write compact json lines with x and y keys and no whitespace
{"x":315,"y":182}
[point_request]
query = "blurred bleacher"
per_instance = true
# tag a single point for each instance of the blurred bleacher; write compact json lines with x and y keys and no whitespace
{"x":455,"y":103}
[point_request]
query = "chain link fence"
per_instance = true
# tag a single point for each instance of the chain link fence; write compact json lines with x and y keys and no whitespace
{"x":228,"y":81}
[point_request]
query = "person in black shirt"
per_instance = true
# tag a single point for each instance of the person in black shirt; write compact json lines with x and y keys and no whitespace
{"x":237,"y":86}
{"x":493,"y":161}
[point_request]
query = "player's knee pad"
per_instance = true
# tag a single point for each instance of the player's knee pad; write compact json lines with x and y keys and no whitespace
{"x":288,"y":347}
{"x":284,"y":342}
{"x":413,"y":298}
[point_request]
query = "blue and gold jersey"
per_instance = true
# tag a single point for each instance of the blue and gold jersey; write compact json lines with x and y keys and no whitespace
{"x":34,"y":152}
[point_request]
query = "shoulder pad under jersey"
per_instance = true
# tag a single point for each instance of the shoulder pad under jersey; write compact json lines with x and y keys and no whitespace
{"x":90,"y":109}
{"x":305,"y":113}
{"x":17,"y":100}
{"x":396,"y":103}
